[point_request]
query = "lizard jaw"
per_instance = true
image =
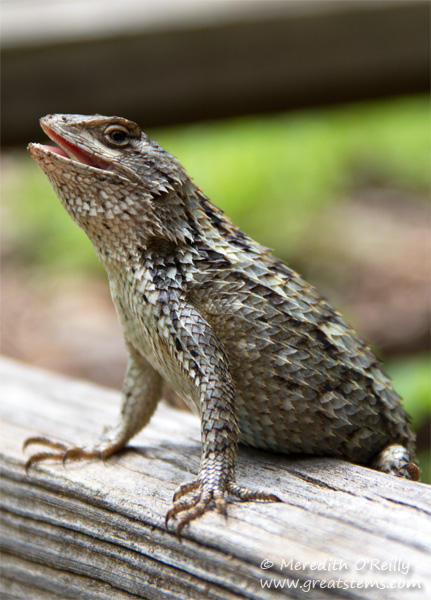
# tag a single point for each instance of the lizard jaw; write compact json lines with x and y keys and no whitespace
{"x":71,"y":151}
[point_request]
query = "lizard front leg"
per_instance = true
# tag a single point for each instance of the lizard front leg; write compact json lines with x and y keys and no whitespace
{"x":142,"y":390}
{"x":202,"y":360}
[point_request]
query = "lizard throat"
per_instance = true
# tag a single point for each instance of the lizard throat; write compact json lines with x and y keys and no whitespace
{"x":68,"y":150}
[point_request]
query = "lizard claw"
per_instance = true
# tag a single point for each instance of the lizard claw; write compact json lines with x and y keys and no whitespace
{"x":40,"y":456}
{"x":61,"y":452}
{"x":39,"y":439}
{"x":194,"y":506}
{"x":185,"y":489}
{"x":410,"y":471}
{"x":201,"y":499}
{"x":247,"y":495}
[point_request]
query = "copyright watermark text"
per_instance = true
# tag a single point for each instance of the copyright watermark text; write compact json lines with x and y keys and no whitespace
{"x":364,"y":574}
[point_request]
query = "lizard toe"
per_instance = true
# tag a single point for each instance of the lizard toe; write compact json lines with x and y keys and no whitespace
{"x":60,"y":452}
{"x":186,"y":488}
{"x":194,"y":499}
{"x":409,"y":471}
{"x":192,"y":508}
{"x":245,"y":494}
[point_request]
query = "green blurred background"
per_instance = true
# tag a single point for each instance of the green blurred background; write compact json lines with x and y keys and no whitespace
{"x":341,"y":194}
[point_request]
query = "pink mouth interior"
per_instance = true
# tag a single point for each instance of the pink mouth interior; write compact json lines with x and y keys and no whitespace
{"x":66,"y":149}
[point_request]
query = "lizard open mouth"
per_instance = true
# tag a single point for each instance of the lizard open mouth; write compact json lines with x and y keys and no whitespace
{"x":71,"y":151}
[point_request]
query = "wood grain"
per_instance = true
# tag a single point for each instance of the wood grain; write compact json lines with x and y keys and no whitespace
{"x":96,"y":530}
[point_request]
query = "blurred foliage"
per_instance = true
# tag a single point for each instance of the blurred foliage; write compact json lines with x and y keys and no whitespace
{"x":36,"y":229}
{"x":411,"y":379}
{"x":411,"y":376}
{"x":271,"y":174}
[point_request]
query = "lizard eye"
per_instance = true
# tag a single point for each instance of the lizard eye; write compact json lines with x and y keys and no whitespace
{"x":117,"y":135}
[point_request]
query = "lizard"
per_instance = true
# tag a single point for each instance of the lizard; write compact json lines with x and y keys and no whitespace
{"x":250,"y":346}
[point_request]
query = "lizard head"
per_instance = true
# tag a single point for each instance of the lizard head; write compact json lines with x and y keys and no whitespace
{"x":119,"y":186}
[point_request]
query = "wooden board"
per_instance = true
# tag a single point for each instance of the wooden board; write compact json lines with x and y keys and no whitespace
{"x":96,"y":530}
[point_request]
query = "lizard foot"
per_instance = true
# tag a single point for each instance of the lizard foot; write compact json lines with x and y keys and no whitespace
{"x":201,"y":498}
{"x":61,"y":452}
{"x":396,"y":460}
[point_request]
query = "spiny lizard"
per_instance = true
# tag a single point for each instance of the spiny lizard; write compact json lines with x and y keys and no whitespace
{"x":250,"y":346}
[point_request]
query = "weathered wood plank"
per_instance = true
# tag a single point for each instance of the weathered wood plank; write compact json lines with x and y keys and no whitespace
{"x":96,"y":530}
{"x":214,"y":60}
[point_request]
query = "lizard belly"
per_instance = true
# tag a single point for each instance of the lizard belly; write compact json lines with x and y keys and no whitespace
{"x":138,"y":324}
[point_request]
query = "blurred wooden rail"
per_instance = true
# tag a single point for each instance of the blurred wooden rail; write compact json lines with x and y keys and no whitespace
{"x":171,"y":62}
{"x":96,"y":531}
